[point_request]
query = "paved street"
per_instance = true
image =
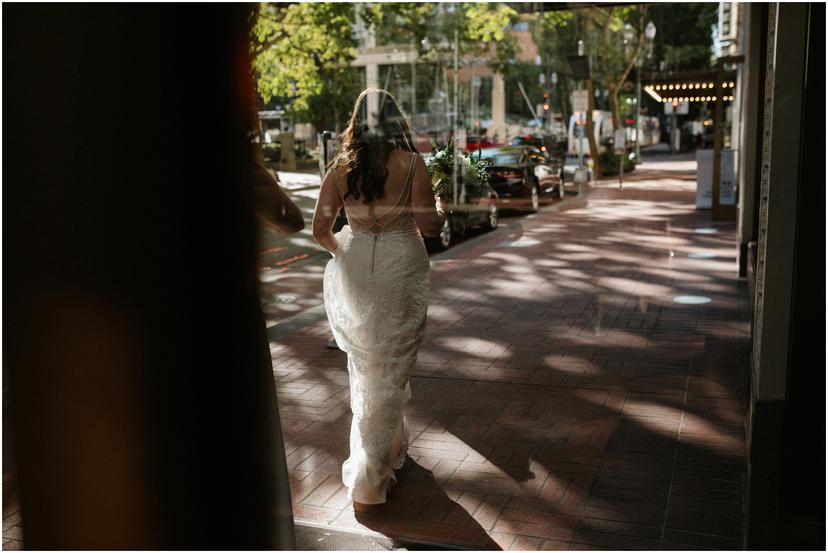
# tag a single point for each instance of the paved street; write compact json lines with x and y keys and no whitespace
{"x":563,"y":398}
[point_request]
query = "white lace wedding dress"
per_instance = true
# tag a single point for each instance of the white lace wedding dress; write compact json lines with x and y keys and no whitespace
{"x":376,"y":297}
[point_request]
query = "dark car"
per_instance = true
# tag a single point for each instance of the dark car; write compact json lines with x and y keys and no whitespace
{"x":478,"y":207}
{"x":521,"y":175}
{"x":547,"y":144}
{"x":474,"y":143}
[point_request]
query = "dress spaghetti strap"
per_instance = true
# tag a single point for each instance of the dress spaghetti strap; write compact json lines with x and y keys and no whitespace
{"x":397,"y":211}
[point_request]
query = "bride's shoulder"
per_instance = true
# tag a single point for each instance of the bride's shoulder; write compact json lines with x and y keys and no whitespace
{"x":338,"y":167}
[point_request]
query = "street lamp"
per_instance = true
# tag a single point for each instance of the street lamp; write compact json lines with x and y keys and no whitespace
{"x":649,"y":34}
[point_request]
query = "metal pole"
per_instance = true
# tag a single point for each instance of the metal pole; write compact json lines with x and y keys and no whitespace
{"x":528,"y":103}
{"x":456,"y":113}
{"x":413,"y":87}
{"x":637,"y":112}
{"x":717,"y":139}
{"x":456,"y":81}
{"x":621,"y":171}
{"x":673,"y":131}
{"x":472,"y":95}
{"x":582,"y":127}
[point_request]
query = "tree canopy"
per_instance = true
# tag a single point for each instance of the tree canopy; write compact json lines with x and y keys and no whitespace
{"x":303,"y":52}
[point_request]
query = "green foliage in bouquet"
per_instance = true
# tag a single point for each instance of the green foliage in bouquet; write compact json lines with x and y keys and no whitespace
{"x":471,"y":170}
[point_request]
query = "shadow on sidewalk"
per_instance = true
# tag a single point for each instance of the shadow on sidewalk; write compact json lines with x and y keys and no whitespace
{"x":562,"y":398}
{"x":440,"y":519}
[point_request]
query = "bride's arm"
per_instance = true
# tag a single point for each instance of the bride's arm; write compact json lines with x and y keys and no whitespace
{"x":327,"y":208}
{"x":428,"y":216}
{"x":272,"y":204}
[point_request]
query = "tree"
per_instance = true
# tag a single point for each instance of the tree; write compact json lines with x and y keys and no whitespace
{"x":685,"y":35}
{"x":618,"y":53}
{"x":302,"y":52}
{"x":556,"y":36}
{"x":481,"y":29}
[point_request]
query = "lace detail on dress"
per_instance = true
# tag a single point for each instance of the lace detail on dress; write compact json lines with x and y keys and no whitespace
{"x":376,"y":297}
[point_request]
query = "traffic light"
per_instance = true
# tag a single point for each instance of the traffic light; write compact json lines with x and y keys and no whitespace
{"x":545,"y":107}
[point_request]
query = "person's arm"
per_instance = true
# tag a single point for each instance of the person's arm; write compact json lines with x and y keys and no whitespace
{"x":327,"y":208}
{"x":273,"y":205}
{"x":428,"y":213}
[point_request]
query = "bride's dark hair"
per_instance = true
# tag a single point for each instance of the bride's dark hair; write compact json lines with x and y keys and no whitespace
{"x":368,"y":141}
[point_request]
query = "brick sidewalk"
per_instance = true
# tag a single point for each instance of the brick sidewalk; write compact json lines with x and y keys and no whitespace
{"x":562,"y":399}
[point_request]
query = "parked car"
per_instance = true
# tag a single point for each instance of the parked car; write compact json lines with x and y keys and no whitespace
{"x":474,"y":143}
{"x":542,"y":143}
{"x":521,"y":175}
{"x":479,"y":208}
{"x":548,"y":144}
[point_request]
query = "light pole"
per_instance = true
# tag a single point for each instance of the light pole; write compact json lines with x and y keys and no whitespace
{"x":553,"y":81}
{"x":649,"y":34}
{"x":581,"y":128}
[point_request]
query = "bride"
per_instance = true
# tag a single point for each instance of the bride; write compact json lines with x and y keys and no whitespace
{"x":376,"y":286}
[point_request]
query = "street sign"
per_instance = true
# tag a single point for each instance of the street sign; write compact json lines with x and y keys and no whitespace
{"x":579,"y":65}
{"x":580,"y":100}
{"x":385,"y":55}
{"x":704,"y":178}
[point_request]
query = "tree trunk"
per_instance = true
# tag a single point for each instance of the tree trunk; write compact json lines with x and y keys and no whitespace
{"x":614,"y":106}
{"x":593,"y":146}
{"x":563,"y":98}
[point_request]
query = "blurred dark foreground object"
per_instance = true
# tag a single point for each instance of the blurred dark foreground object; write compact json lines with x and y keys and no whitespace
{"x":136,"y":365}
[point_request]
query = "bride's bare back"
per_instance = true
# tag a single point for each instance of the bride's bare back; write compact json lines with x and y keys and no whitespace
{"x":408,"y":193}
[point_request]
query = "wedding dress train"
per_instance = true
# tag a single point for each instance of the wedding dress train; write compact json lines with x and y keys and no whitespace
{"x":376,"y":297}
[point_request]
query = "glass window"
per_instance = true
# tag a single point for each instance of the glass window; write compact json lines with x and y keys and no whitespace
{"x":500,"y":157}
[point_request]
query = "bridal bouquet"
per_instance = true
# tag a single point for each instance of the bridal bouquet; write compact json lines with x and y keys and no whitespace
{"x":471,"y":171}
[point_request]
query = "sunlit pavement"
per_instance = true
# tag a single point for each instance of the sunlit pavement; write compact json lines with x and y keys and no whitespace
{"x":563,"y":398}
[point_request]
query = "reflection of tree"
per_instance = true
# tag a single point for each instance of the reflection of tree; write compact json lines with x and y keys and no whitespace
{"x":684,"y":40}
{"x":617,"y":42}
{"x":302,"y":53}
{"x":618,"y":67}
{"x":556,"y":36}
